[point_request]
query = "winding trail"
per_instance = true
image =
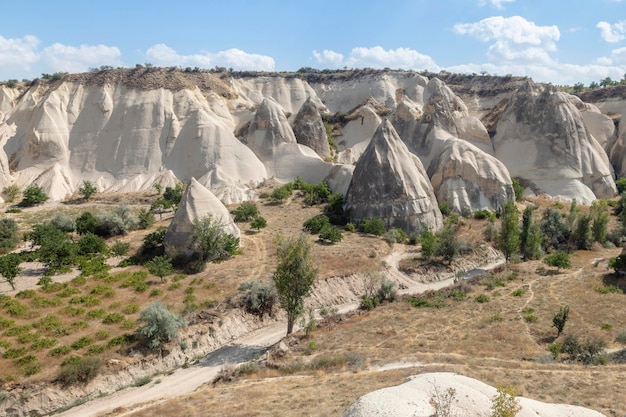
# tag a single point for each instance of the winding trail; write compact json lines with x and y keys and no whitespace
{"x":186,"y":380}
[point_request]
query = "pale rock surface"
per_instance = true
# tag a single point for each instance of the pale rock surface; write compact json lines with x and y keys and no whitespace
{"x":345,"y":95}
{"x":356,"y":134}
{"x":472,"y":398}
{"x":197,"y":202}
{"x":468,"y":179}
{"x":542,"y":138}
{"x":7,"y":100}
{"x":309,"y":129}
{"x":600,"y":126}
{"x":272,"y":140}
{"x":390,"y":183}
{"x":339,"y":178}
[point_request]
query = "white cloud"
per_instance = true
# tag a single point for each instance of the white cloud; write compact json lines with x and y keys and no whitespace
{"x":237,"y":59}
{"x":66,"y":58}
{"x":496,"y":3}
{"x":18,"y":54}
{"x":328,"y":57}
{"x":378,"y":57}
{"x":612,"y":32}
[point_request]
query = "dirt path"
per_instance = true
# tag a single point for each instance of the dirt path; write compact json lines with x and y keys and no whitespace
{"x":183,"y":381}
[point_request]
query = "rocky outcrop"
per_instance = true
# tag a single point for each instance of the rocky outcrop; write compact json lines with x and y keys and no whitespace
{"x":390,"y":183}
{"x":197,"y":202}
{"x":542,"y":139}
{"x":357,"y":132}
{"x":309,"y":129}
{"x":419,"y":396}
{"x":272,"y":140}
{"x":468,"y":179}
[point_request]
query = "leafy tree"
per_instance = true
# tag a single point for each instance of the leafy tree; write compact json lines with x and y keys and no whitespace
{"x":509,"y":234}
{"x":582,"y":237}
{"x":428,"y":240}
{"x":447,"y":243}
{"x":245,"y":212}
{"x":160,"y":205}
{"x":330,"y":234}
{"x":209,"y":240}
{"x":559,"y":319}
{"x":258,"y":223}
{"x":91,"y":244}
{"x":86,"y":223}
{"x":334,"y":210}
{"x":87,"y":190}
{"x":120,"y":248}
{"x":158,"y":188}
{"x":281,"y":193}
{"x":56,"y":250}
{"x":174,"y":195}
{"x":559,"y":260}
{"x":10,"y":267}
{"x":600,"y":218}
{"x":555,"y":232}
{"x":530,"y":236}
{"x":153,"y":242}
{"x":518,"y":189}
{"x":32,"y":196}
{"x":11,"y":192}
{"x":373,"y":226}
{"x":618,"y":263}
{"x":620,"y":183}
{"x":8,"y":235}
{"x":294,"y":276}
{"x":63,"y":222}
{"x":160,"y":266}
{"x":158,"y":325}
{"x":315,"y":224}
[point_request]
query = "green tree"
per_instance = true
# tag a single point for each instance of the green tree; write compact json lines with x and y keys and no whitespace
{"x":86,"y":223}
{"x":581,"y":236}
{"x":618,"y":263}
{"x":146,"y":218}
{"x":174,"y":195}
{"x":555,"y":232}
{"x":160,"y":266}
{"x":90,"y":244}
{"x":87,"y":190}
{"x":294,"y":276}
{"x":447,"y":243}
{"x":281,"y":193}
{"x":32,"y":196}
{"x":428,"y":240}
{"x":530,"y":236}
{"x":558,"y":260}
{"x":620,"y":183}
{"x":375,"y":226}
{"x":559,"y":319}
{"x":600,"y":218}
{"x":508,"y":240}
{"x":258,"y":223}
{"x":158,"y":325}
{"x":210,"y":241}
{"x":8,"y":235}
{"x":10,"y":267}
{"x":518,"y":189}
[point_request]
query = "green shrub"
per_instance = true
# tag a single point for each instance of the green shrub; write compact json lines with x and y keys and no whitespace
{"x":482,"y":298}
{"x":119,"y":340}
{"x":531,"y":318}
{"x":50,"y":324}
{"x":81,"y":343}
{"x":43,"y":343}
{"x":315,"y":224}
{"x":81,"y":370}
{"x":63,"y":222}
{"x":158,"y":325}
{"x":113,"y":318}
{"x":103,"y":290}
{"x":68,"y":292}
{"x":444,"y":208}
{"x":518,"y":189}
{"x":395,"y":235}
{"x":97,"y":313}
{"x":12,"y":353}
{"x":485,"y":214}
{"x":78,"y":325}
{"x":59,"y":351}
{"x":32,"y":196}
{"x":350,"y":227}
{"x":102,"y":334}
{"x":87,"y":300}
{"x":130,"y":308}
{"x":245,"y":212}
{"x":89,"y":243}
{"x":86,"y":223}
{"x":120,"y":248}
{"x":330,"y":234}
{"x":518,"y":292}
{"x":8,"y":235}
{"x":95,"y":349}
{"x":259,"y":298}
{"x":156,"y":292}
{"x":72,"y":311}
{"x":373,"y":226}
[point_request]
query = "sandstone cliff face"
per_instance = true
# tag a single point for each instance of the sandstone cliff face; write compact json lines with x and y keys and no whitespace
{"x":197,"y":202}
{"x":309,"y":129}
{"x":468,"y":179}
{"x":542,"y":138}
{"x":390,"y":183}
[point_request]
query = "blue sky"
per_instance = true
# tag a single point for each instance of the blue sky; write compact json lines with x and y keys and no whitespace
{"x":556,"y":41}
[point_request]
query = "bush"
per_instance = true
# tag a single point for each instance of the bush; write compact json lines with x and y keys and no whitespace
{"x":281,"y":193}
{"x":395,"y":235}
{"x":210,"y":242}
{"x":79,"y":370}
{"x":259,"y":298}
{"x":315,"y":224}
{"x":373,"y":226}
{"x":145,"y":218}
{"x":330,"y":234}
{"x":160,"y":266}
{"x":620,"y":183}
{"x":158,"y":325}
{"x":245,"y":212}
{"x":258,"y":223}
{"x":120,"y":248}
{"x":444,"y":208}
{"x":32,"y":196}
{"x":518,"y":189}
{"x":482,"y":298}
{"x":485,"y":215}
{"x":63,"y":222}
{"x":87,"y":189}
{"x":91,"y":244}
{"x":11,"y":192}
{"x":8,"y":235}
{"x":620,"y":337}
{"x":86,"y":223}
{"x":558,"y":260}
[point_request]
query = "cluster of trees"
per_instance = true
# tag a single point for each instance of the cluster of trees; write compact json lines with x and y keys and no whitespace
{"x":603,"y":83}
{"x":249,"y":212}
